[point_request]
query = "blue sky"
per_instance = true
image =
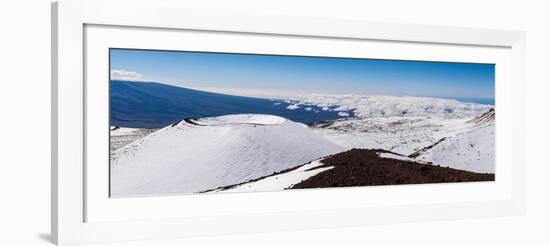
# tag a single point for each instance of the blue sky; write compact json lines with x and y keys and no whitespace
{"x":324,"y":75}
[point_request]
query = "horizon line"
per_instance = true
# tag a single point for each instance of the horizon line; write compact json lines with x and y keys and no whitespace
{"x":227,"y":91}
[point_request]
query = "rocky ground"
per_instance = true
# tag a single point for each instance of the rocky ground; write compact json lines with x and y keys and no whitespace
{"x":364,"y":167}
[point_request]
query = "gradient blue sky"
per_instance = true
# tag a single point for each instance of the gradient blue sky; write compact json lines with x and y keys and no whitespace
{"x":326,"y":75}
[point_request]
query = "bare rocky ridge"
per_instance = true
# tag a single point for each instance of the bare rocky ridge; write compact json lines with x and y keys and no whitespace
{"x":484,"y":119}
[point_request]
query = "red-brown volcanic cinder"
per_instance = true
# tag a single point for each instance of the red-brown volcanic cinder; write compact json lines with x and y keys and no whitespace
{"x":364,"y":167}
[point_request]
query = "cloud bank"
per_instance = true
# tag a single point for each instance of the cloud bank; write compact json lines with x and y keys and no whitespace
{"x":121,"y":74}
{"x":384,"y":106}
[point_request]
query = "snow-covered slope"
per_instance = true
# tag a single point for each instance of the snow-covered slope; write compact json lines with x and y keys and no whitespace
{"x":279,"y":181}
{"x":198,"y":155}
{"x":258,"y":119}
{"x":400,"y":124}
{"x":400,"y":134}
{"x":471,"y":151}
{"x":484,"y":119}
{"x":465,"y":143}
{"x":289,"y":179}
{"x":121,"y":136}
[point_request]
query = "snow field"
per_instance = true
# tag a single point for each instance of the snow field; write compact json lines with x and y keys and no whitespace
{"x":187,"y":158}
{"x":280,"y":181}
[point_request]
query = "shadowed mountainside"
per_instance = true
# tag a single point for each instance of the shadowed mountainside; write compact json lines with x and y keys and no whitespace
{"x":155,"y":105}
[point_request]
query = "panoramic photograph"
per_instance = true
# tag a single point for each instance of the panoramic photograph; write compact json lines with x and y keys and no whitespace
{"x":186,"y":122}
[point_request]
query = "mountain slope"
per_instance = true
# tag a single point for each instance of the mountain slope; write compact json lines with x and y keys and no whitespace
{"x":473,"y":150}
{"x":465,"y":143}
{"x":486,"y":118}
{"x":200,"y":154}
{"x":358,"y":167}
{"x":401,"y":134}
{"x":121,"y":136}
{"x":155,"y":105}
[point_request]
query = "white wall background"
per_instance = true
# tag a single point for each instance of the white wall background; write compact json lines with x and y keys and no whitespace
{"x":25,"y":122}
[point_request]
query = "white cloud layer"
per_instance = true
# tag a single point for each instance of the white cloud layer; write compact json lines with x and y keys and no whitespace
{"x":121,"y":74}
{"x":293,"y":107}
{"x":384,"y":106}
{"x":343,"y":114}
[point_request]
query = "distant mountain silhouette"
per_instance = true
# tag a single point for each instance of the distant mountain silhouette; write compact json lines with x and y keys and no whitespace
{"x":155,"y":105}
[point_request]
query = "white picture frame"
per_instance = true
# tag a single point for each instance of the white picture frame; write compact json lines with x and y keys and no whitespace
{"x":81,"y":214}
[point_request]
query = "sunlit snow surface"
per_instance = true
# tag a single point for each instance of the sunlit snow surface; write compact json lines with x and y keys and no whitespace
{"x":197,"y":155}
{"x":258,"y":119}
{"x":280,"y":181}
{"x":471,"y":151}
{"x":450,"y":142}
{"x":400,"y":134}
{"x":194,"y":156}
{"x":121,"y":136}
{"x":395,"y":156}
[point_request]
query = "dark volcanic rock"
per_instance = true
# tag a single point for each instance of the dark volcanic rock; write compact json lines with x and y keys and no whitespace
{"x":362,"y":167}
